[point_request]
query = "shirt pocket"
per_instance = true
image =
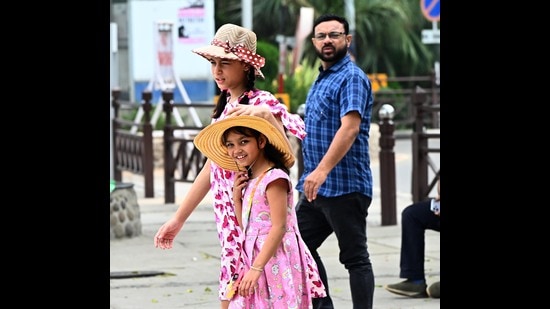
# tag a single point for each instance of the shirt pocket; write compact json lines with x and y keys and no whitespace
{"x":322,"y":108}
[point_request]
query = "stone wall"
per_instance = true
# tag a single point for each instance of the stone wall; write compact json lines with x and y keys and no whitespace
{"x":125,"y":216}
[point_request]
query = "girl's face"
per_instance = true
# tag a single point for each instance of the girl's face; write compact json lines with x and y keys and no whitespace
{"x":245,"y":150}
{"x":228,"y":74}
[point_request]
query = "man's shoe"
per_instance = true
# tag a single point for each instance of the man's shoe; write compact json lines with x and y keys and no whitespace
{"x":433,"y":290}
{"x":407,"y":288}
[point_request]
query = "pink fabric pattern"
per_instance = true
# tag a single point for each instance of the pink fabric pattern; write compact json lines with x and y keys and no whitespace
{"x":291,"y":278}
{"x":221,"y":181}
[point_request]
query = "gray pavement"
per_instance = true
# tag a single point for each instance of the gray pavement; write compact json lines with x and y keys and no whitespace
{"x":188,"y":272}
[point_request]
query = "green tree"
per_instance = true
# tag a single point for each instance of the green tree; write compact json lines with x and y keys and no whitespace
{"x":271,"y":68}
{"x":389,"y":31}
{"x":387,"y":38}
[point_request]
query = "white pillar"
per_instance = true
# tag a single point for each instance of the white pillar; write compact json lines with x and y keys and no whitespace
{"x":247,"y":13}
{"x":350,"y":16}
{"x":114,"y":82}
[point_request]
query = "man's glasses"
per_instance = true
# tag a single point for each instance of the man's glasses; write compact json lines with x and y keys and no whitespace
{"x":332,"y":35}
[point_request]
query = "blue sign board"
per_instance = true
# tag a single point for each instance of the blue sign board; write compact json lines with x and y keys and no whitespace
{"x":430,"y":9}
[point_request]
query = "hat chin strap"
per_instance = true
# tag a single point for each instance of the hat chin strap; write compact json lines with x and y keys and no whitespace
{"x":248,"y":169}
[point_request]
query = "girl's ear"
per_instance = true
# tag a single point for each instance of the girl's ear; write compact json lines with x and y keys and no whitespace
{"x":262,"y":141}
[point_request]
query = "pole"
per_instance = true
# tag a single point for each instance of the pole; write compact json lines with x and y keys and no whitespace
{"x":282,"y":62}
{"x":350,"y":16}
{"x":387,"y":165}
{"x":246,"y":13}
{"x":114,"y":83}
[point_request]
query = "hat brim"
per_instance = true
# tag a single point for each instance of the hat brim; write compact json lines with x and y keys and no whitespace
{"x":209,"y":141}
{"x":212,"y":51}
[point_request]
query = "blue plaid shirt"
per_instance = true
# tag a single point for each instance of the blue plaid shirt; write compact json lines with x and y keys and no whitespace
{"x":342,"y":88}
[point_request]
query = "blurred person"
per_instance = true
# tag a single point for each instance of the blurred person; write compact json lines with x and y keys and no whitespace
{"x":235,"y":66}
{"x":336,"y":185}
{"x":415,"y":220}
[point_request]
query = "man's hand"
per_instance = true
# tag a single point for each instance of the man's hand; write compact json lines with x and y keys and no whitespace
{"x":312,"y":183}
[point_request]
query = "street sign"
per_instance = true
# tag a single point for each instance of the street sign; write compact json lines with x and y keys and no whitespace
{"x":430,"y":9}
{"x":430,"y":36}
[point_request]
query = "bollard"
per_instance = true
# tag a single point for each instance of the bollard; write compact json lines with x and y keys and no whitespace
{"x":387,"y":165}
{"x":169,"y":161}
{"x":117,"y":174}
{"x":419,"y":188}
{"x":148,"y":164}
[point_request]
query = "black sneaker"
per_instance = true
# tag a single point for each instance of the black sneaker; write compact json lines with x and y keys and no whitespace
{"x":407,"y":288}
{"x":433,"y":290}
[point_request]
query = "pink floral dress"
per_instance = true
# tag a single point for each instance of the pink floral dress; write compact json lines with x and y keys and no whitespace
{"x":221,"y":182}
{"x":290,"y":278}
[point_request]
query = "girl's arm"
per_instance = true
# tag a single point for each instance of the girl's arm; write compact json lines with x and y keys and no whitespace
{"x":164,"y":238}
{"x":196,"y":193}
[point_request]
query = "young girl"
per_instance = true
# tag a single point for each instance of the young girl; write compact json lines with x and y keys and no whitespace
{"x":275,"y":270}
{"x":235,"y":66}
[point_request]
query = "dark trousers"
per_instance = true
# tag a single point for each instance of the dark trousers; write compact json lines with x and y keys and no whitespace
{"x":415,"y":220}
{"x":346,"y":216}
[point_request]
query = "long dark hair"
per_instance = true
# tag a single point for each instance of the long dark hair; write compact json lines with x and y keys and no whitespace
{"x":271,"y":153}
{"x":222,"y":99}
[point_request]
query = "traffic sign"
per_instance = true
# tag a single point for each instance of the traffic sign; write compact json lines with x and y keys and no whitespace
{"x":430,"y":36}
{"x":430,"y":9}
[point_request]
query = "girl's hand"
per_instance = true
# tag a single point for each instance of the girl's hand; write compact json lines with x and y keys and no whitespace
{"x":241,"y":179}
{"x":249,"y":283}
{"x":164,"y":238}
{"x":252,"y":110}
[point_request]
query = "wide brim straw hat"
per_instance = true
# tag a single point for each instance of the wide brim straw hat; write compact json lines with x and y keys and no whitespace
{"x":210,"y":140}
{"x":235,"y":43}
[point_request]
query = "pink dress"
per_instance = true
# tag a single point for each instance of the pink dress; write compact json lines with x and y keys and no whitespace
{"x":221,"y":182}
{"x":290,"y":278}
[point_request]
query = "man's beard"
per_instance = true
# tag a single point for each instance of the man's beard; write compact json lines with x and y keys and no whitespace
{"x":338,"y":54}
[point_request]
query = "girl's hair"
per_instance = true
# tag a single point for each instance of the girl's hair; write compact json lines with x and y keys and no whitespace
{"x":222,"y":99}
{"x":271,"y":153}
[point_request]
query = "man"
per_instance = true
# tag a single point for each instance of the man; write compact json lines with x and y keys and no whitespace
{"x":336,"y":185}
{"x":415,"y":220}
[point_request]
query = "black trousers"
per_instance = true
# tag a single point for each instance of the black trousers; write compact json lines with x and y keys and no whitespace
{"x":415,"y":220}
{"x":346,"y":216}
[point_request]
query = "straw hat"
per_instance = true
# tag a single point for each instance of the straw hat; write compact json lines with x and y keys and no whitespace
{"x":210,"y":140}
{"x":235,"y":43}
